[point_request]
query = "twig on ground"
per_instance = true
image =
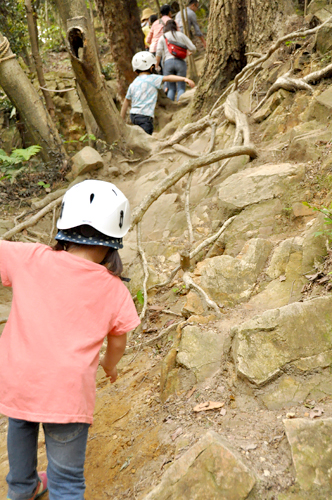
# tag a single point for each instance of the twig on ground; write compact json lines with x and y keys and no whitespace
{"x":186,"y":151}
{"x":145,"y":269}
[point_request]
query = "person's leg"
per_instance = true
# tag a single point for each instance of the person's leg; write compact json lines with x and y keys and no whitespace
{"x":145,"y":122}
{"x":22,"y":444}
{"x":65,"y":447}
{"x":181,"y":70}
{"x":169,"y":70}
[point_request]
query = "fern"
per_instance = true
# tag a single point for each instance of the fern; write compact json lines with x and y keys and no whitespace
{"x":13,"y":164}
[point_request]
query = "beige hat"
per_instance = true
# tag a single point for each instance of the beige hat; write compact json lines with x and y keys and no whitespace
{"x":146,"y":14}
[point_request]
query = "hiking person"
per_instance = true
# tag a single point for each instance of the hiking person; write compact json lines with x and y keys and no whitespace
{"x":145,"y":22}
{"x":192,"y":20}
{"x":66,"y":300}
{"x":174,"y":62}
{"x":143,"y":91}
{"x":157,"y":28}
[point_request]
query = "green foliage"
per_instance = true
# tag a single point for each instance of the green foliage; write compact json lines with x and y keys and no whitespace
{"x":327,"y":212}
{"x":13,"y":24}
{"x":109,"y":71}
{"x":11,"y":165}
{"x":140,"y":297}
{"x":43,"y":184}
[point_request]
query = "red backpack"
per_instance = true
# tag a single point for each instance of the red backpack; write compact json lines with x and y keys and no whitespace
{"x":176,"y":49}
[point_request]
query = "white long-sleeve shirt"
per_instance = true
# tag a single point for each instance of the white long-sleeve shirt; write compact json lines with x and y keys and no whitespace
{"x":179,"y":37}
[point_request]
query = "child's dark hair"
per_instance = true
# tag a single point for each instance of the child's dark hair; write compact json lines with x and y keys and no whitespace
{"x":153,"y":18}
{"x":165,"y":9}
{"x":112,"y":260}
{"x":151,"y":70}
{"x":170,"y":26}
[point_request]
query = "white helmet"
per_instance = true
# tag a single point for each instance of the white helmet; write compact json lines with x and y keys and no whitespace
{"x":94,"y":204}
{"x":143,"y":61}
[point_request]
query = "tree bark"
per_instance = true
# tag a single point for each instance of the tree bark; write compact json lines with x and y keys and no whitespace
{"x":25,"y":98}
{"x":84,"y":60}
{"x":236,"y":27}
{"x":123,"y":29}
{"x":33,"y":33}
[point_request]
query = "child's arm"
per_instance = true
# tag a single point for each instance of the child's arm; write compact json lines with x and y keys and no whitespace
{"x":175,"y":78}
{"x":114,"y":351}
{"x":125,"y":106}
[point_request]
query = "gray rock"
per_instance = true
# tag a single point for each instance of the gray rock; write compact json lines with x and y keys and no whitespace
{"x":311,"y":446}
{"x":209,"y":470}
{"x":86,"y":160}
{"x":281,"y":256}
{"x":228,"y":280}
{"x":257,"y":184}
{"x":200,"y":351}
{"x":265,"y":344}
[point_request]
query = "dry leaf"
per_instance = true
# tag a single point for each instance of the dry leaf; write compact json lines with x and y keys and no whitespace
{"x":209,"y":405}
{"x":191,"y":392}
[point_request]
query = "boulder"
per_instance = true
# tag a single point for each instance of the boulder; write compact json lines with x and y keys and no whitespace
{"x":209,"y":470}
{"x":86,"y":160}
{"x":228,"y":280}
{"x":265,"y":344}
{"x":311,"y":446}
{"x":281,"y":256}
{"x":257,"y":184}
{"x":200,"y":351}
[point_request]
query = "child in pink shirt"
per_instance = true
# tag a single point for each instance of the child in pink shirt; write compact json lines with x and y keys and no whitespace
{"x":66,"y":300}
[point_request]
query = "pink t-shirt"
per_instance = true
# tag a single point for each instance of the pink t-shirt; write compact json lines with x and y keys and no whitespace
{"x":63,"y":308}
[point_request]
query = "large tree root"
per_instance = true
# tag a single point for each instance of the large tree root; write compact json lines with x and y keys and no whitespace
{"x":196,"y":251}
{"x":292,"y":84}
{"x":186,"y":131}
{"x":32,"y":220}
{"x":275,"y":46}
{"x":189,"y":166}
{"x":145,"y":270}
{"x":189,"y":282}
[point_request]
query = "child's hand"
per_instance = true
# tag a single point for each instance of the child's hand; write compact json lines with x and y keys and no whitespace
{"x":112,"y":373}
{"x":190,"y":82}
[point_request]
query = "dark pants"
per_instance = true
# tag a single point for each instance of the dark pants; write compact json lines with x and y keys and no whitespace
{"x":143,"y":121}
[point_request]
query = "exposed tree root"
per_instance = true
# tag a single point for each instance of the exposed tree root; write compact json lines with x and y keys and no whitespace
{"x":32,"y":220}
{"x":188,"y":281}
{"x":234,"y":115}
{"x":275,"y":46}
{"x":292,"y":84}
{"x":189,"y":166}
{"x":187,"y":208}
{"x":145,"y":270}
{"x":155,"y":339}
{"x":189,"y":129}
{"x":196,"y":251}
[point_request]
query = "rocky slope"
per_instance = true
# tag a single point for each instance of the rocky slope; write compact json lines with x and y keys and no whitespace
{"x":235,"y":401}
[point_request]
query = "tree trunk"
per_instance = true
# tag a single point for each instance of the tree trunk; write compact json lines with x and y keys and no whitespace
{"x":123,"y":28}
{"x":83,"y":54}
{"x":25,"y":98}
{"x":235,"y":28}
{"x":33,"y":33}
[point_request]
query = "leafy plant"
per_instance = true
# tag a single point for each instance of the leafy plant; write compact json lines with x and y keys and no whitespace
{"x":11,"y":165}
{"x":327,"y":212}
{"x":140,"y":297}
{"x":44,"y":185}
